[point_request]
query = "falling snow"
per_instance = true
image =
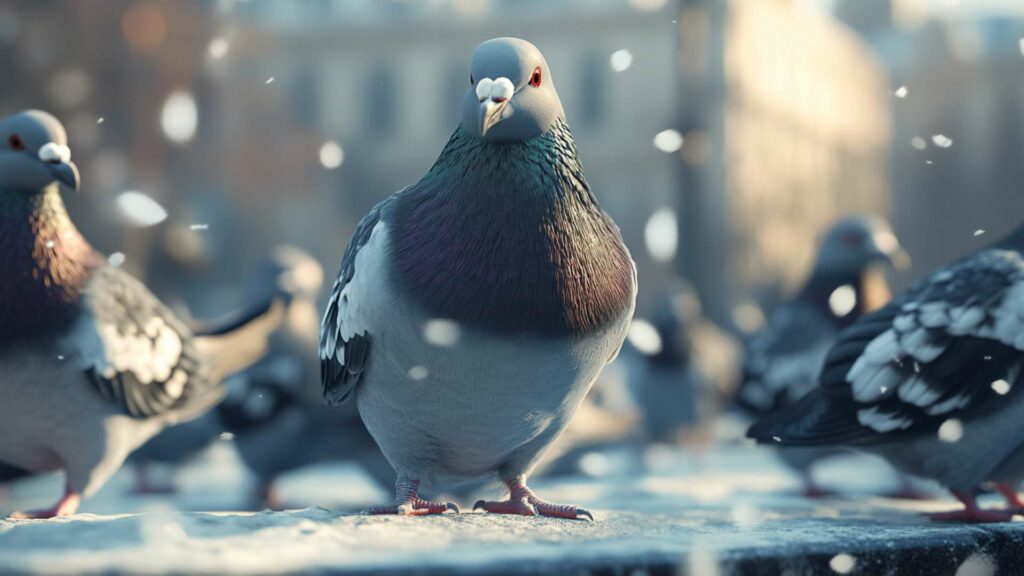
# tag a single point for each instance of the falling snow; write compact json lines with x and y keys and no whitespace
{"x":331,"y":155}
{"x":942,"y":141}
{"x":668,"y":141}
{"x":140,"y":210}
{"x":441,"y":333}
{"x":842,"y":563}
{"x":621,"y":60}
{"x":951,"y":430}
{"x":1001,"y":387}
{"x":644,"y":337}
{"x":661,"y":235}
{"x":918,"y":143}
{"x":901,"y":92}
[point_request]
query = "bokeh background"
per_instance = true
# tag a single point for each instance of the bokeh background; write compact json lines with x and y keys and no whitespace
{"x":723,"y":136}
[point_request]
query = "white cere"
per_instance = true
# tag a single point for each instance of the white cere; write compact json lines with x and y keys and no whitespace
{"x":621,"y":60}
{"x":661,"y":235}
{"x":842,"y":563}
{"x":419,"y":373}
{"x":668,"y":141}
{"x":331,"y":155}
{"x":53,"y":152}
{"x":952,"y":430}
{"x":1001,"y":387}
{"x":842,"y":300}
{"x":179,"y":117}
{"x":140,"y":210}
{"x":441,"y":333}
{"x":644,"y":337}
{"x":942,"y":141}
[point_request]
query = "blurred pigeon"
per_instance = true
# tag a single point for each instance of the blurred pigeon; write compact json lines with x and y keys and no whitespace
{"x":784,"y":359}
{"x":475,"y":308}
{"x":291,"y":271}
{"x":275,"y":410}
{"x":931,"y":382}
{"x":93,"y":363}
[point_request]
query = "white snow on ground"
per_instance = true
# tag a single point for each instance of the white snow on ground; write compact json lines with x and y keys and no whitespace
{"x":699,"y":506}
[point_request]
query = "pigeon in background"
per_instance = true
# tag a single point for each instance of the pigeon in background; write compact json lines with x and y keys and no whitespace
{"x":289,"y":271}
{"x":275,"y":410}
{"x":784,"y":359}
{"x":931,"y":382}
{"x":668,"y":384}
{"x":476,"y":307}
{"x":93,"y":364}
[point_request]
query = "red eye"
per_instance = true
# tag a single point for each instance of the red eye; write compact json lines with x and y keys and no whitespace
{"x":16,"y":143}
{"x":536,"y":77}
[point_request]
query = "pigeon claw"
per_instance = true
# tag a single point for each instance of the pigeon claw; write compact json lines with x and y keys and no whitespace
{"x":415,"y":507}
{"x":534,"y":507}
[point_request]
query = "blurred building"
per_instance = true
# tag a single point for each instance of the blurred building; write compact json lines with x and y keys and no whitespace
{"x":958,"y":126}
{"x":787,"y":114}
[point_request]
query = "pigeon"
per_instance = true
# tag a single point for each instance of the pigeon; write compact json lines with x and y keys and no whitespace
{"x":288,"y":270}
{"x":783,"y":359}
{"x":274,"y":409}
{"x":475,"y":308}
{"x":93,"y":364}
{"x":931,"y":382}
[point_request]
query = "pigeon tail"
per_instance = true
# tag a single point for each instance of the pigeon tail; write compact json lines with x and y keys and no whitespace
{"x":238,"y":342}
{"x":809,"y":422}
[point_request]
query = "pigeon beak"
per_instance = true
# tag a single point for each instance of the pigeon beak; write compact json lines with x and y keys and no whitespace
{"x":491,"y":113}
{"x":57,"y":158}
{"x":900,"y":259}
{"x":65,"y":172}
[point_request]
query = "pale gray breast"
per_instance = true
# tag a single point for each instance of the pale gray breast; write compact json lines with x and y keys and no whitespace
{"x":445,"y":399}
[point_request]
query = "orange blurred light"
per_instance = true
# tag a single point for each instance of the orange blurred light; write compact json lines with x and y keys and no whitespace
{"x":145,"y":27}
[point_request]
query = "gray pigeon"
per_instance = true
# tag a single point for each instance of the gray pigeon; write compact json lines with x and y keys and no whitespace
{"x":784,"y":359}
{"x":931,"y":382}
{"x":93,"y":364}
{"x":476,"y":307}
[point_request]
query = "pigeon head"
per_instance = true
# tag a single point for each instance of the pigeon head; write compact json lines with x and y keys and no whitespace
{"x":34,"y":153}
{"x":511,"y":95}
{"x":855,"y":243}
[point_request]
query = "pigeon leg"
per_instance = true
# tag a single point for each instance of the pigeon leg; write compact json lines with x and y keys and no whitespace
{"x":812,"y":489}
{"x":971,"y":512}
{"x":408,"y":503}
{"x":66,"y":506}
{"x":143,"y":485}
{"x":1013,"y":500}
{"x":522,"y":501}
{"x":907,"y":491}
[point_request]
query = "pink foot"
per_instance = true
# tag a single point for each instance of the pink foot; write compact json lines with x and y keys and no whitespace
{"x":408,"y":503}
{"x":971,"y":513}
{"x":524,"y":502}
{"x":1013,"y":500}
{"x":65,"y":507}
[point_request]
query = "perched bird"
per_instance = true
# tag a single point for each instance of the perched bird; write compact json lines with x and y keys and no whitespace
{"x":93,"y":364}
{"x":476,"y":307}
{"x":784,"y":359}
{"x":931,"y":382}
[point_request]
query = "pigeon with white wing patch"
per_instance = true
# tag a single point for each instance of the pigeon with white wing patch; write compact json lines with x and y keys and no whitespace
{"x":783,"y":360}
{"x":475,"y":308}
{"x":91,"y":363}
{"x":931,"y":381}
